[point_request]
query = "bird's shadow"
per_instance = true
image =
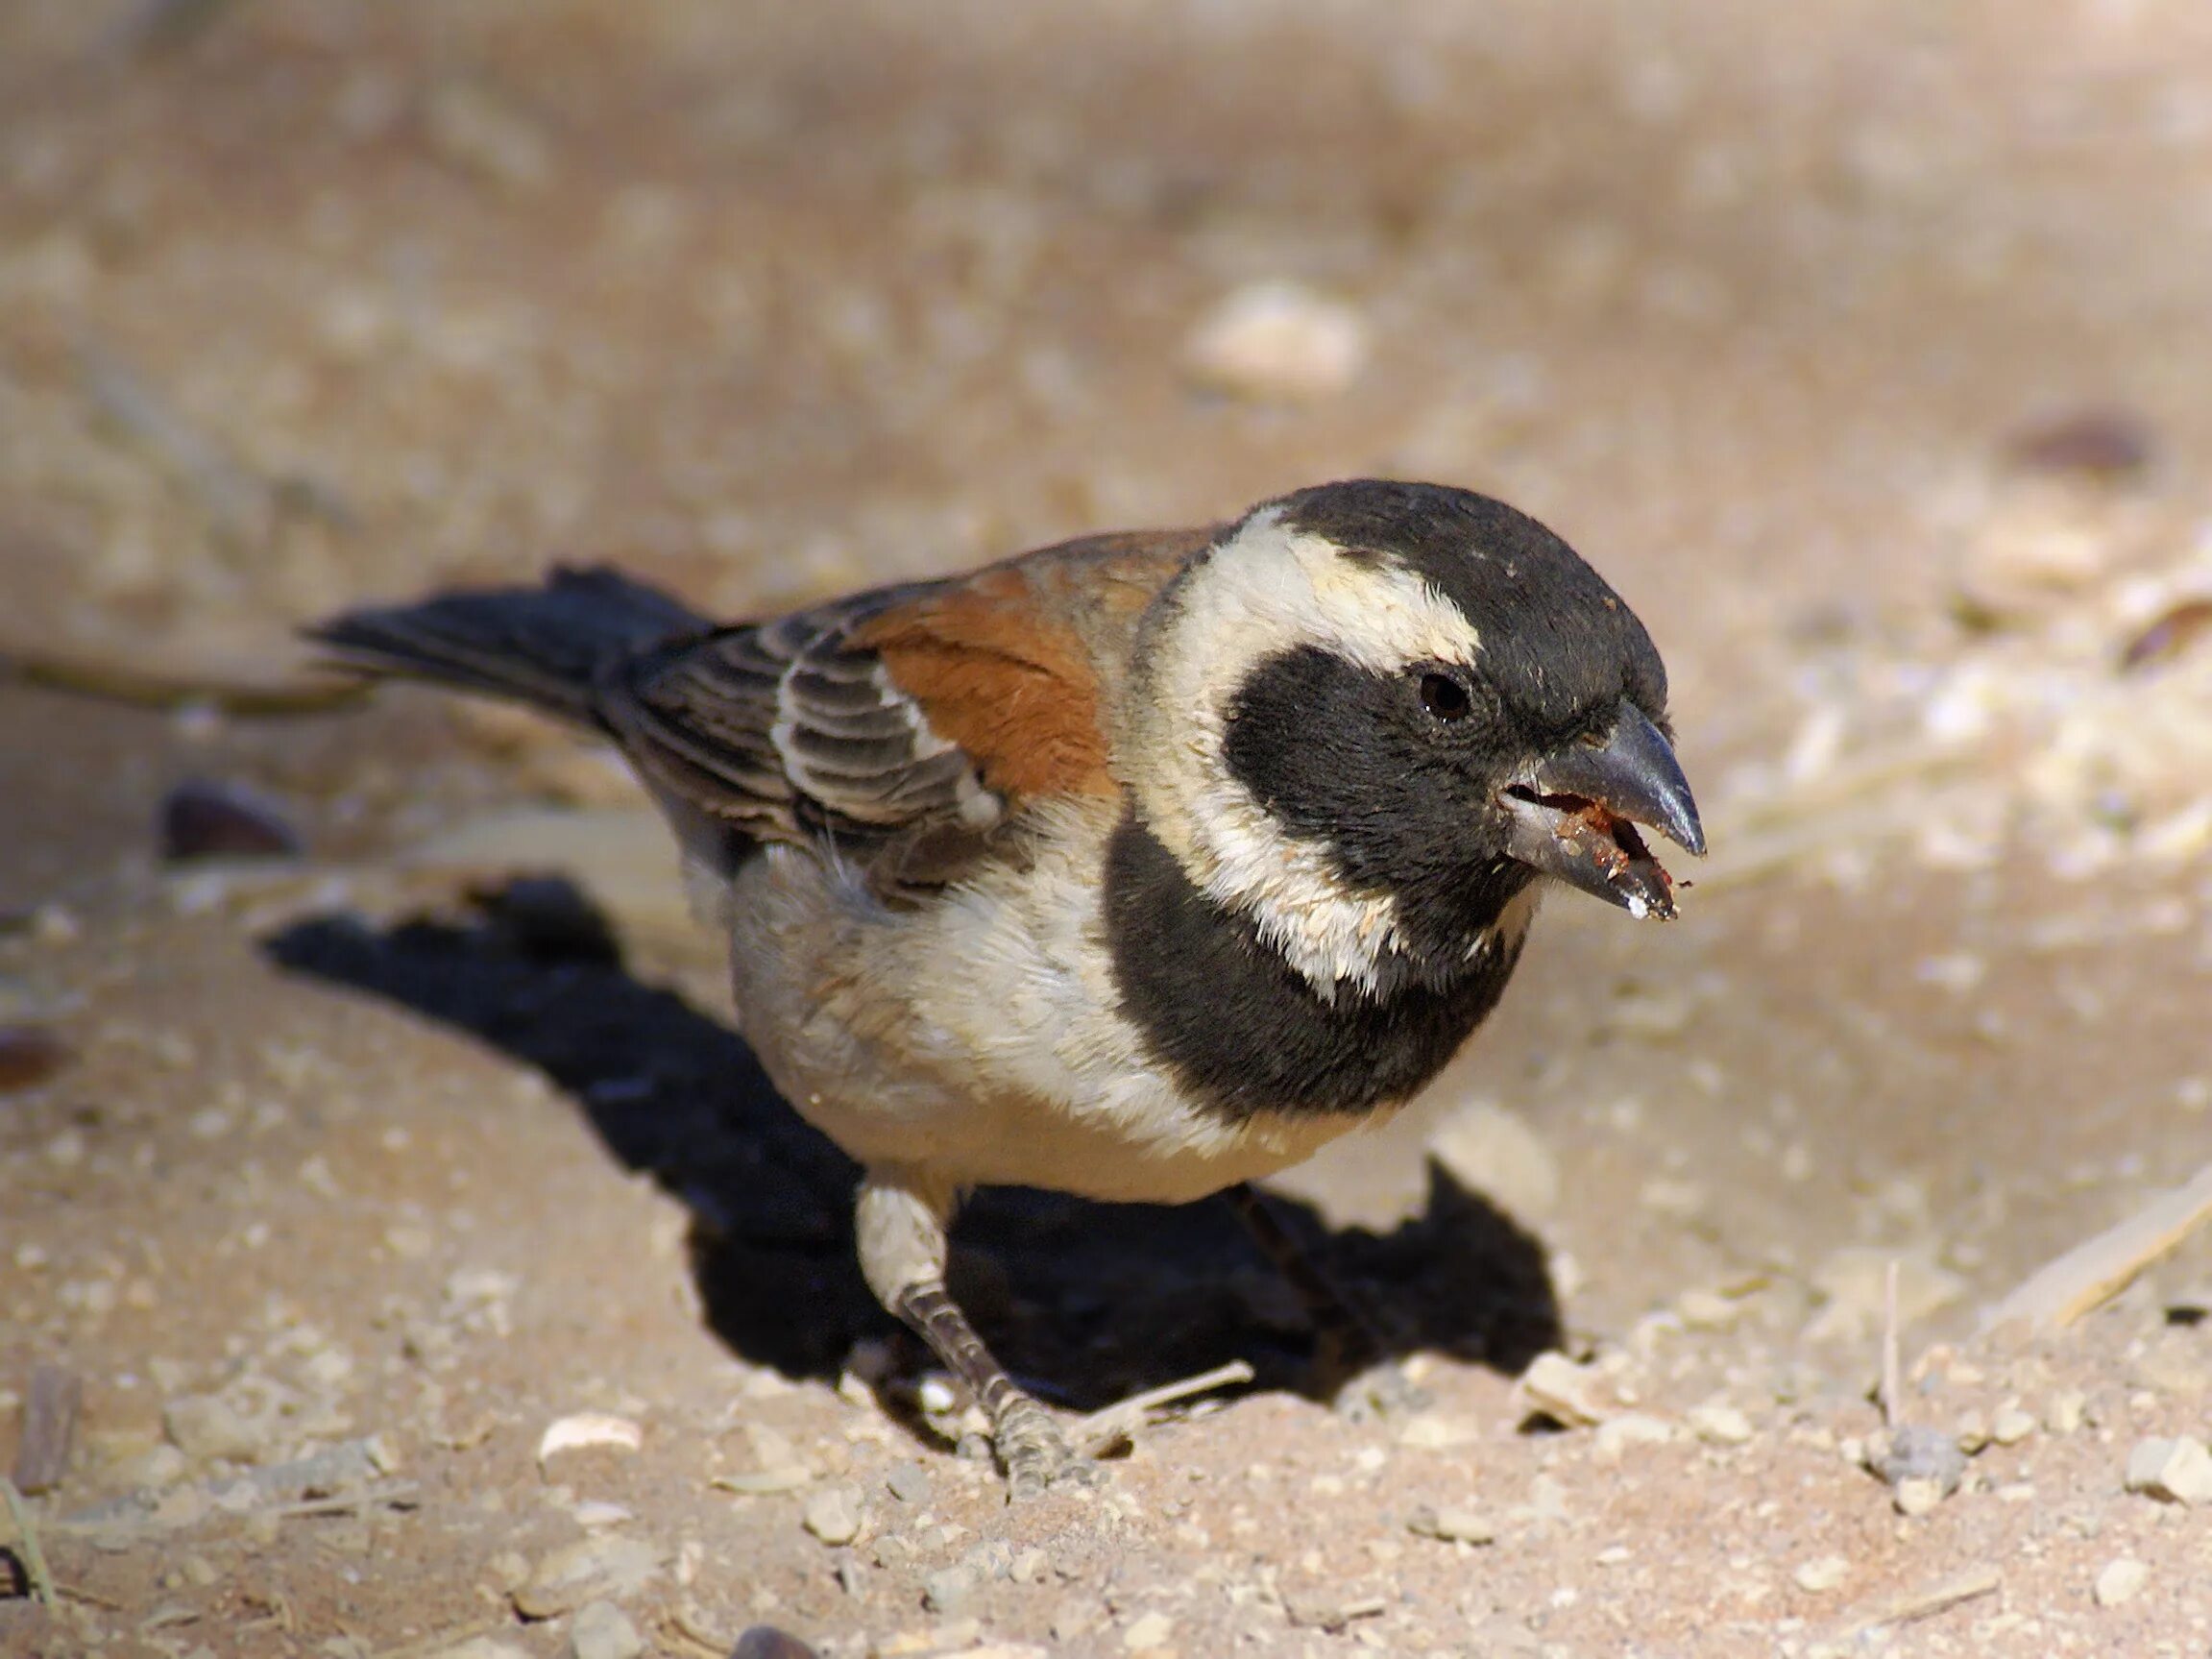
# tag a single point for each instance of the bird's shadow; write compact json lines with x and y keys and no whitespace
{"x":1087,"y":1302}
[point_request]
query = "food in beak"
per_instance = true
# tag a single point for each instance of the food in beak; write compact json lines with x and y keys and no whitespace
{"x":1575,"y":818}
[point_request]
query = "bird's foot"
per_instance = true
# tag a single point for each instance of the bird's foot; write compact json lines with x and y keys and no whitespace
{"x":1036,"y":1456}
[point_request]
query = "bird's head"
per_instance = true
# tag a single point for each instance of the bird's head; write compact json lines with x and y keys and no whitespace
{"x":1378,"y":713}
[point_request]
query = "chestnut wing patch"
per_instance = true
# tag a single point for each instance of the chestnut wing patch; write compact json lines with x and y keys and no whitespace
{"x":897,"y":729}
{"x":1014,"y":689}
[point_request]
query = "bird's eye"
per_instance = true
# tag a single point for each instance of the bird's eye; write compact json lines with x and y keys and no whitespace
{"x":1445,"y":697}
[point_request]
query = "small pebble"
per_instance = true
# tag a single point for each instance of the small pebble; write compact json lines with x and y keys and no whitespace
{"x":1823,"y":1575}
{"x":2104,"y":445}
{"x":1149,"y":1630}
{"x":908,"y":1482}
{"x":1556,"y":1387}
{"x":1720,"y":1425}
{"x":1616,"y":1435}
{"x":834,"y":1515}
{"x":1917,"y":1451}
{"x":1453,"y":1525}
{"x":1708,"y":1309}
{"x":602,"y":1630}
{"x":29,"y":1054}
{"x":951,"y":1589}
{"x":2011,"y":1426}
{"x":202,"y":818}
{"x":205,"y":1427}
{"x":1279,"y":342}
{"x":767,"y":1642}
{"x":588,"y":1428}
{"x":1917,"y":1496}
{"x":2173,"y":1470}
{"x":2122,"y":1580}
{"x":591,"y":1571}
{"x":2066,"y":1411}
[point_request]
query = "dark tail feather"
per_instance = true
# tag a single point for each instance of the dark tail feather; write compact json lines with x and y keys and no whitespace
{"x":543,"y":644}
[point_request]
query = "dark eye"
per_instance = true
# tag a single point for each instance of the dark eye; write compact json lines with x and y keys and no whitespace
{"x":1445,"y":697}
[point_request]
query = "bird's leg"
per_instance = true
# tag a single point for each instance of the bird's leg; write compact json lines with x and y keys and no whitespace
{"x":1352,"y":1362}
{"x":900,"y":1226}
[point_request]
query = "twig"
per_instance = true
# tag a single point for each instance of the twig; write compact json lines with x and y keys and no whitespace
{"x":1892,"y":1364}
{"x":139,"y":688}
{"x":398,"y":1494}
{"x":49,"y":1429}
{"x":2092,"y":1273}
{"x":27,"y":1537}
{"x":1119,"y":1421}
{"x":1925,"y":1603}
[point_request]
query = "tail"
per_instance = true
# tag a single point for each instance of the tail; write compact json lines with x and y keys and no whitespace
{"x":543,"y":645}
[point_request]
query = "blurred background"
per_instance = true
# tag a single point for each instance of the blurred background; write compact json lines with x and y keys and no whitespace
{"x":1861,"y":344}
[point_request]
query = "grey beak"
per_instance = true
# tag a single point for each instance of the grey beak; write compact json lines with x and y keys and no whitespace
{"x":1570,"y":815}
{"x":1632,"y":774}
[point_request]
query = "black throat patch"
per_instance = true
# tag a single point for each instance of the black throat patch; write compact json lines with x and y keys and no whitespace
{"x":1241,"y":1030}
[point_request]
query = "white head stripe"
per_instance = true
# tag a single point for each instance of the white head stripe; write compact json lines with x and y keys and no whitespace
{"x":1260,"y":592}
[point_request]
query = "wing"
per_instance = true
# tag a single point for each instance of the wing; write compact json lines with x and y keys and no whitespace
{"x":899,"y":730}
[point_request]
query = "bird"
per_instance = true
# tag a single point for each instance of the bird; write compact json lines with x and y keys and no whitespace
{"x":1139,"y":866}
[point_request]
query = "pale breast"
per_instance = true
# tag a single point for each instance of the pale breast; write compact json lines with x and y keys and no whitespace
{"x":980,"y":1035}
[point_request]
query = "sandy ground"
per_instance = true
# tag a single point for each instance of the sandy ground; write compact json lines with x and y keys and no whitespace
{"x":1862,"y":345}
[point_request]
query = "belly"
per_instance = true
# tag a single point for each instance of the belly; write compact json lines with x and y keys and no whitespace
{"x":980,"y":1037}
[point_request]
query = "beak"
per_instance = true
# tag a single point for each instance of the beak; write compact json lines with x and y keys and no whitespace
{"x":1574,"y":815}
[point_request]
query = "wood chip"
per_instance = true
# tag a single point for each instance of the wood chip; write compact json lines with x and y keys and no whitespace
{"x":2062,"y":1292}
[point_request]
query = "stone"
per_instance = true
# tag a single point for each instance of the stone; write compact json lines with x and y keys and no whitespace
{"x":2011,"y":1427}
{"x":767,"y":1642}
{"x":602,"y":1630}
{"x":29,"y":1055}
{"x":2176,"y":1471}
{"x":1279,"y":342}
{"x":834,"y":1515}
{"x":585,"y":1429}
{"x":2066,"y":1411}
{"x":1917,"y":1451}
{"x":202,"y":818}
{"x":1570,"y":1394}
{"x":1149,"y":1630}
{"x":206,"y":1428}
{"x":1452,"y":1524}
{"x":1720,"y":1425}
{"x":1822,"y":1575}
{"x":591,"y":1571}
{"x":951,"y":1589}
{"x":2122,"y":1580}
{"x":1616,"y":1435}
{"x":1917,"y":1495}
{"x":908,"y":1482}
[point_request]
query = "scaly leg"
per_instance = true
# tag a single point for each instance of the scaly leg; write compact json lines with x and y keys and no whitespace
{"x":900,"y":1225}
{"x":1351,"y":1360}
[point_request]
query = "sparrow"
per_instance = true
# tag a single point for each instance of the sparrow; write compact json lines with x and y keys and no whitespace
{"x":1139,"y":866}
